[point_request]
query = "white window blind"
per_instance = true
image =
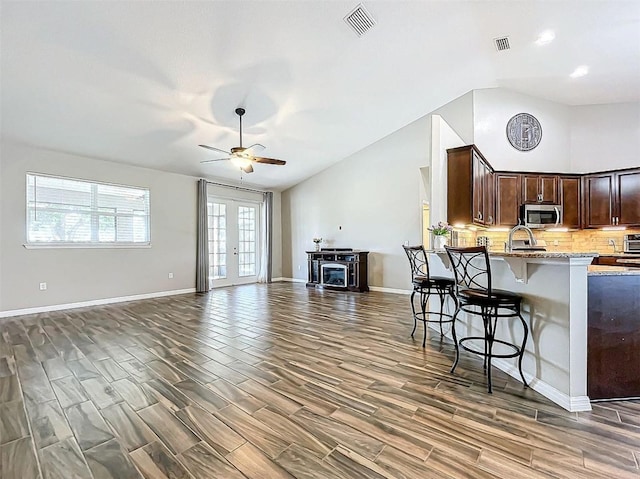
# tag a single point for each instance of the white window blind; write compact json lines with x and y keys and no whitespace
{"x":75,"y":212}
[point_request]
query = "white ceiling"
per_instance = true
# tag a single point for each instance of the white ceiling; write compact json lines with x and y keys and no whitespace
{"x":144,"y":83}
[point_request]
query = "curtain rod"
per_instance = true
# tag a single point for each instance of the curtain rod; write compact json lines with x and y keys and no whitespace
{"x":234,"y":187}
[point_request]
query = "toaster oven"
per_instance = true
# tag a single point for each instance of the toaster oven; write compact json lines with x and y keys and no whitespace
{"x":632,"y":243}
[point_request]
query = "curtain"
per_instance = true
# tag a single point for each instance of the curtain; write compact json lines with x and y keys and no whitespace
{"x":202,"y":251}
{"x":266,"y":240}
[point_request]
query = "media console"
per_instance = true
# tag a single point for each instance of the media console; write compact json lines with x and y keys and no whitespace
{"x":341,"y":269}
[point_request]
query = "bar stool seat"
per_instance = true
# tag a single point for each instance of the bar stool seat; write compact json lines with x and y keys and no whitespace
{"x":497,"y":296}
{"x":425,"y":285}
{"x":475,"y":296}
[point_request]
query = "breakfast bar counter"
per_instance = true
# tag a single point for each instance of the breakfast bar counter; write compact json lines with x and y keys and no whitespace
{"x":554,"y":287}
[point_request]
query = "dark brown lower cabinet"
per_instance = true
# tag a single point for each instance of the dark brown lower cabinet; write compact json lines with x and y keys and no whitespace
{"x":613,"y":344}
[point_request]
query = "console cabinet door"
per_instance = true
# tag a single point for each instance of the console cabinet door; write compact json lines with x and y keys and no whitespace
{"x":507,"y":199}
{"x":569,"y":189}
{"x":628,"y":198}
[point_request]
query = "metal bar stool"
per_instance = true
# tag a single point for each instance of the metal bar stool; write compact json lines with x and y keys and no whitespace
{"x":426,"y":285}
{"x":475,"y":295}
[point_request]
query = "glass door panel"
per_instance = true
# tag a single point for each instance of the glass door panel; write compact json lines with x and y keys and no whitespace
{"x":233,"y":242}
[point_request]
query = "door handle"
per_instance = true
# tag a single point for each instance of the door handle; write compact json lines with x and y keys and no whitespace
{"x":557,"y":215}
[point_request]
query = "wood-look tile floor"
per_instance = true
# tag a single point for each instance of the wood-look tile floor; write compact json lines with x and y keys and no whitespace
{"x":278,"y":381}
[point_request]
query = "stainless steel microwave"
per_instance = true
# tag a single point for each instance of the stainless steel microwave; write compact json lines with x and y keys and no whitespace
{"x":541,"y":216}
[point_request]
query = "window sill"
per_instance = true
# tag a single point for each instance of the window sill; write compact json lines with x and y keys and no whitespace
{"x":86,"y":246}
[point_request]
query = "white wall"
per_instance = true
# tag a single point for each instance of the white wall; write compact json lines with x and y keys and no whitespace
{"x":76,"y":275}
{"x":376,"y":197}
{"x":605,"y":137}
{"x":443,"y":137}
{"x":492,"y":109}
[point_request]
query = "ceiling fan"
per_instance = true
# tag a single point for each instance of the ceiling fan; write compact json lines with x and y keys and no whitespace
{"x":241,"y":156}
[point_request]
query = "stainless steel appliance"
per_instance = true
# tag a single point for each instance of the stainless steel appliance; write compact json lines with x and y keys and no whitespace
{"x":541,"y":216}
{"x":632,"y":243}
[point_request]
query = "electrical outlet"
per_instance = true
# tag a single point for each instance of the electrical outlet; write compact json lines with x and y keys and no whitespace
{"x":556,"y":242}
{"x":43,"y":286}
{"x":170,"y":275}
{"x":299,"y":267}
{"x":406,"y":243}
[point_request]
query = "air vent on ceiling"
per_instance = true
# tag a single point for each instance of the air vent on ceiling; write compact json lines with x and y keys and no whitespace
{"x":360,"y":20}
{"x":502,"y":43}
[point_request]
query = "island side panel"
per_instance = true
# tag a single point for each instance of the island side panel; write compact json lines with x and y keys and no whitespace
{"x":614,"y":336}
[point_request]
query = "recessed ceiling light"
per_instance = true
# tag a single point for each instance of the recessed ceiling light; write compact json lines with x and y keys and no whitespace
{"x":545,"y":37}
{"x":581,"y":71}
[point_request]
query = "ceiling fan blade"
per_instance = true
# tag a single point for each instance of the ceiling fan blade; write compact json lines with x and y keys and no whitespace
{"x":216,"y":159}
{"x":212,"y":148}
{"x":255,"y":147}
{"x":270,"y":161}
{"x":247,"y":169}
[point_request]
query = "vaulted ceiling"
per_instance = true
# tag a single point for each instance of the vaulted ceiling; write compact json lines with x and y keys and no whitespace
{"x":144,"y":83}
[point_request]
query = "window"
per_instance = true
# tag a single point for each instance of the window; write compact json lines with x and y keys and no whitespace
{"x":65,"y":211}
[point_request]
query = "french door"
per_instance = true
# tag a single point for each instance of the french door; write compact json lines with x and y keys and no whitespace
{"x":233,"y":242}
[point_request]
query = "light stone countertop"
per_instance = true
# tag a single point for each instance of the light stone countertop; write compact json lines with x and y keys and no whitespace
{"x":541,"y":254}
{"x":530,"y":254}
{"x":596,"y":270}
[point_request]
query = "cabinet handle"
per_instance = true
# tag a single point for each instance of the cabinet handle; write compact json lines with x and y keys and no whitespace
{"x":490,"y":219}
{"x":479,"y":215}
{"x":540,"y":198}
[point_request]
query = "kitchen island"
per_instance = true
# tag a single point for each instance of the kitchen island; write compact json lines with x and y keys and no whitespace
{"x":554,"y":287}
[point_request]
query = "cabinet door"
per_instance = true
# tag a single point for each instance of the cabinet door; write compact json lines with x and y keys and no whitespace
{"x":530,"y":189}
{"x":570,"y":200}
{"x":548,"y":189}
{"x":507,"y":199}
{"x":628,"y":198}
{"x":478,"y":189}
{"x":540,"y":189}
{"x":598,"y":200}
{"x":489,"y":197}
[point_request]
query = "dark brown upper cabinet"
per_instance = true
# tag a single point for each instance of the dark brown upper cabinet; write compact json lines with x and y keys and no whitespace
{"x":612,"y":199}
{"x":470,"y":188}
{"x":479,"y":196}
{"x":539,"y":189}
{"x":569,"y":187}
{"x":508,"y":198}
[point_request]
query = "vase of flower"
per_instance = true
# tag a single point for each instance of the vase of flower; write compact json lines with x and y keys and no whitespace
{"x":317,"y":242}
{"x":439,"y":241}
{"x":440,"y":233}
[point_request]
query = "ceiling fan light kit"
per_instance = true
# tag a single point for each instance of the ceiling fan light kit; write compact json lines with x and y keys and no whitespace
{"x":241,"y":156}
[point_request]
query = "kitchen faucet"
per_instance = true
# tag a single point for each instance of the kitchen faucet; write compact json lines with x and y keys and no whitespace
{"x":518,"y":227}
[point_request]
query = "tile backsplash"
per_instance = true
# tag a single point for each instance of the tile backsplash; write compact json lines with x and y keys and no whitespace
{"x":575,"y":241}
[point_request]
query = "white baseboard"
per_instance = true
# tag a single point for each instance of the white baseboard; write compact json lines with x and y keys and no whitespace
{"x":289,"y":280}
{"x":95,"y":302}
{"x":570,"y":403}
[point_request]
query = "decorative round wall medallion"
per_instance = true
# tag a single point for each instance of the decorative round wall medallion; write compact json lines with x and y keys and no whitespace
{"x":524,"y":132}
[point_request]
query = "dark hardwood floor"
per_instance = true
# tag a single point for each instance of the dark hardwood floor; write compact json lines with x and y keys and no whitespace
{"x":279,"y":381}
